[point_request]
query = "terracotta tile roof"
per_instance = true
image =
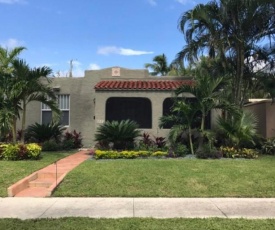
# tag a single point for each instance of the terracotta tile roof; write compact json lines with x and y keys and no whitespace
{"x":141,"y":84}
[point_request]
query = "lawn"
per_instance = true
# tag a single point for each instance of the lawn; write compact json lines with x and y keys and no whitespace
{"x":13,"y":171}
{"x":137,"y":223}
{"x":171,"y":178}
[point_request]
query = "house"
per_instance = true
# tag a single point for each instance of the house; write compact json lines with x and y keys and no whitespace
{"x":110,"y":94}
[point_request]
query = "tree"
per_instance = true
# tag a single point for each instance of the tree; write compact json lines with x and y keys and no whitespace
{"x":7,"y":95}
{"x":182,"y":117}
{"x":34,"y":83}
{"x":230,"y":30}
{"x":160,"y":65}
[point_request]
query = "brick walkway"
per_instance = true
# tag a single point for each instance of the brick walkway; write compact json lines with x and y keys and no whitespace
{"x":42,"y":182}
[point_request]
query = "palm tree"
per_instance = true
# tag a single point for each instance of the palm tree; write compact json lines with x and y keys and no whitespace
{"x":7,"y":112}
{"x":209,"y":93}
{"x":34,"y":84}
{"x":182,"y":117}
{"x":160,"y":65}
{"x":228,"y":30}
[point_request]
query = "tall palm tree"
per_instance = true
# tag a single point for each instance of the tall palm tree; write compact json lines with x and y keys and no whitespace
{"x":227,"y":29}
{"x":160,"y":65}
{"x":7,"y":113}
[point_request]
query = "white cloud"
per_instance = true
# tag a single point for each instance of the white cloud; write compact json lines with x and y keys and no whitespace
{"x":13,"y":1}
{"x":121,"y":51}
{"x":11,"y":43}
{"x":94,"y":66}
{"x":152,"y":2}
{"x":185,"y":2}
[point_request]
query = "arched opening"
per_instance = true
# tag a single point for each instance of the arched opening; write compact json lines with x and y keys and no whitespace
{"x":137,"y":109}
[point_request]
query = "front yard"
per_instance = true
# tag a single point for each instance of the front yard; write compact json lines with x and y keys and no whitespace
{"x":13,"y":171}
{"x":171,"y":178}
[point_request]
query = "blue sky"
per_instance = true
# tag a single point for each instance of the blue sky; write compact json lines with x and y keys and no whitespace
{"x":95,"y":34}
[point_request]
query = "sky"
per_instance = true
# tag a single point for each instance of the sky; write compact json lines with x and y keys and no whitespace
{"x":93,"y":34}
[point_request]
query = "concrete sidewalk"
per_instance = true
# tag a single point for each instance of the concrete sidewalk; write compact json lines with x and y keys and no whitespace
{"x":29,"y":208}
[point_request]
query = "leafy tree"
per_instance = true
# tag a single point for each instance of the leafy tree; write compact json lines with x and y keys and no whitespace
{"x":160,"y":65}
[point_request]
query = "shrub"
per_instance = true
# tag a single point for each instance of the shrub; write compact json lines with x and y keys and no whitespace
{"x":231,"y":152}
{"x":180,"y":150}
{"x":44,"y":132}
{"x":120,"y":133}
{"x":208,"y":152}
{"x":50,"y":145}
{"x":10,"y":152}
{"x":110,"y":154}
{"x":20,"y":151}
{"x":68,"y":144}
{"x":160,"y":142}
{"x":73,"y":137}
{"x":268,"y":146}
{"x":33,"y":150}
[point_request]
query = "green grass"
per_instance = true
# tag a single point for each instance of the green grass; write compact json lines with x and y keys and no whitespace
{"x":13,"y":171}
{"x":137,"y":223}
{"x":171,"y":178}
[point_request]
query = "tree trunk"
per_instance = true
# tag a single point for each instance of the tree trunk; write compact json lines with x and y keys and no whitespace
{"x":190,"y":140}
{"x":14,"y":130}
{"x":23,"y":122}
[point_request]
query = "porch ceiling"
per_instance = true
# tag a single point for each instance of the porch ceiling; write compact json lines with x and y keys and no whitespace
{"x":141,"y":84}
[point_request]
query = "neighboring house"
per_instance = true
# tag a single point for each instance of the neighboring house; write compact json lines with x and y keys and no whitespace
{"x":110,"y":94}
{"x":264,"y":109}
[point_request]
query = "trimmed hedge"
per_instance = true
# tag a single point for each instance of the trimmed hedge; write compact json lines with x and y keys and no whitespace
{"x":100,"y":154}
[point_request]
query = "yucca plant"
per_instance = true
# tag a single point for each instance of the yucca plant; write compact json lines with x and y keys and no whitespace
{"x":44,"y":132}
{"x":120,"y":133}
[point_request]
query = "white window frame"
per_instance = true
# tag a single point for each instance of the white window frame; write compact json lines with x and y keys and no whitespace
{"x":61,"y":105}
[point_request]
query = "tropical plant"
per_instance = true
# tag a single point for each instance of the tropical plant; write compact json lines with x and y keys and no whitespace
{"x":230,"y":30}
{"x":238,"y":128}
{"x":9,"y":107}
{"x":268,"y":146}
{"x":74,"y":137}
{"x":44,"y":132}
{"x":120,"y":133}
{"x":20,"y":85}
{"x":35,"y":87}
{"x":160,"y":65}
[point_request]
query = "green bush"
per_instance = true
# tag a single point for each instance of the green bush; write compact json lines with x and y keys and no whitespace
{"x":120,"y":134}
{"x":10,"y":152}
{"x":44,"y":132}
{"x":180,"y":150}
{"x":20,"y":151}
{"x":110,"y":154}
{"x":208,"y":152}
{"x":68,"y":144}
{"x":51,"y":145}
{"x":268,"y":146}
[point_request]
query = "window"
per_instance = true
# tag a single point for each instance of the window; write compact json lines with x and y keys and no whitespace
{"x":64,"y":106}
{"x":136,"y":109}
